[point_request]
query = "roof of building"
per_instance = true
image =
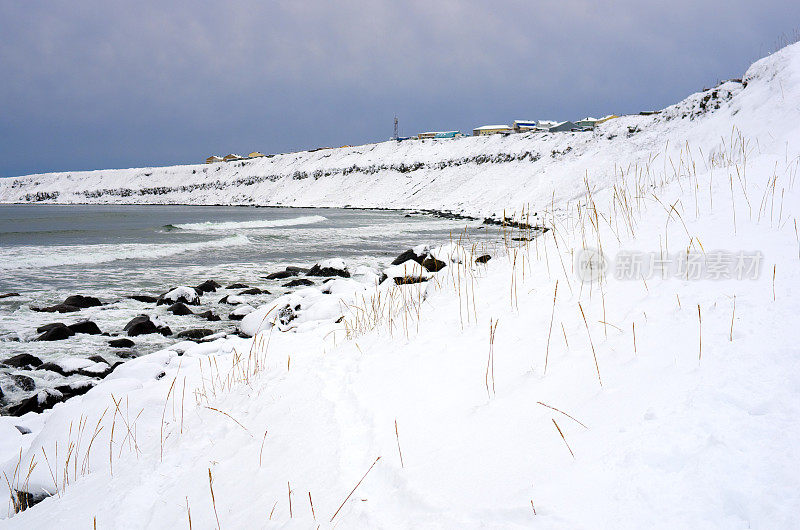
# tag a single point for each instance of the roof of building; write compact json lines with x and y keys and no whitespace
{"x":489,"y":127}
{"x":525,"y":122}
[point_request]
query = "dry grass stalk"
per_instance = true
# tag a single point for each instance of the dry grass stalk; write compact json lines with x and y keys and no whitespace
{"x":563,"y":438}
{"x":289,"y":487}
{"x":213,"y":500}
{"x":633,"y":327}
{"x":354,"y":489}
{"x":733,"y":315}
{"x":399,"y":451}
{"x":189,"y":513}
{"x":314,"y":515}
{"x":261,"y":452}
{"x":533,"y":507}
{"x":564,"y":413}
{"x":490,"y":360}
{"x":550,"y":331}
{"x":700,"y":328}
{"x":594,"y":354}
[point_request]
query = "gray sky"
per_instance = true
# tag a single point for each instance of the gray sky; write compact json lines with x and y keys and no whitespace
{"x":96,"y":84}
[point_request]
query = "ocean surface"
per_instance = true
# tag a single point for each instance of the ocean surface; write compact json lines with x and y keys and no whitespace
{"x":48,"y":252}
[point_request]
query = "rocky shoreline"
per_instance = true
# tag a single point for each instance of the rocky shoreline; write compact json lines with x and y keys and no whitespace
{"x":79,"y":374}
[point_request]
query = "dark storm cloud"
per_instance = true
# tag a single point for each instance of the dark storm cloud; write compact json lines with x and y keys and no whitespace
{"x":97,"y":84}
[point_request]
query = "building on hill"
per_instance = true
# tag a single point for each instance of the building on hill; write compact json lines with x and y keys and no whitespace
{"x":491,"y":129}
{"x":524,"y":125}
{"x":587,"y":123}
{"x":563,"y":127}
{"x":213,"y":158}
{"x":255,"y":154}
{"x":231,"y":157}
{"x":448,"y":134}
{"x":606,"y":118}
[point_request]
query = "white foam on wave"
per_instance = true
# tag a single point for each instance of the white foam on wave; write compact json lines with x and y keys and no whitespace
{"x":35,"y":257}
{"x":234,"y":225}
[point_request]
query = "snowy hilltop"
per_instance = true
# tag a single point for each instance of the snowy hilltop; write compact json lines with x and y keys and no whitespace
{"x":479,"y":175}
{"x":624,"y":356}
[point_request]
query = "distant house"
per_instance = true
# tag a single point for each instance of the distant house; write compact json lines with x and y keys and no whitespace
{"x":544,"y":125}
{"x":448,"y":134}
{"x":491,"y":129}
{"x":524,"y":125}
{"x":563,"y":126}
{"x":255,"y":154}
{"x":587,"y":123}
{"x":230,"y":157}
{"x":213,"y":158}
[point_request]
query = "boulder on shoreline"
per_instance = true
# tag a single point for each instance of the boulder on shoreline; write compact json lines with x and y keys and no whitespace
{"x":208,"y":315}
{"x":87,"y":327}
{"x":238,"y":286}
{"x":55,"y":331}
{"x":281,"y":275}
{"x":483,"y":259}
{"x":8,"y":295}
{"x":417,"y":254}
{"x":183,"y":294}
{"x":254,"y":290}
{"x":121,"y":343}
{"x":179,"y":309}
{"x":194,"y":334}
{"x":144,"y":298}
{"x":298,"y":282}
{"x":329,"y":267}
{"x":142,"y":325}
{"x":208,"y":286}
{"x":78,"y":300}
{"x":23,"y":361}
{"x":58,"y":308}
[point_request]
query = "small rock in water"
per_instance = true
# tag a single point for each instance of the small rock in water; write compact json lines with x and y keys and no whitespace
{"x":142,"y":325}
{"x":298,"y":282}
{"x":39,"y":402}
{"x":24,"y":382}
{"x":238,"y":286}
{"x":75,"y":389}
{"x":78,"y":300}
{"x":8,"y":295}
{"x":85,"y":326}
{"x":194,"y":334}
{"x":208,"y":286}
{"x":48,"y":327}
{"x":179,"y":309}
{"x":121,"y":343}
{"x":208,"y":315}
{"x":297,"y":270}
{"x":483,"y":259}
{"x":183,"y":294}
{"x":23,"y":360}
{"x":147,"y":299}
{"x":281,"y":275}
{"x":240,"y":312}
{"x":58,"y":308}
{"x":327,"y":268}
{"x":98,"y":359}
{"x":53,"y":367}
{"x":56,"y":333}
{"x":254,"y":290}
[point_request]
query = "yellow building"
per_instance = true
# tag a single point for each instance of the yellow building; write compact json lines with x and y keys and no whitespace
{"x":491,"y":129}
{"x":606,"y":118}
{"x":212,"y":159}
{"x":255,"y":154}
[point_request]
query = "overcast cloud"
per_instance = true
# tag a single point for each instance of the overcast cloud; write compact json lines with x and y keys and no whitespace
{"x":96,"y":84}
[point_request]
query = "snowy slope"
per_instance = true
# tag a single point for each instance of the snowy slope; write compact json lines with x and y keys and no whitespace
{"x":479,"y":175}
{"x":504,"y":395}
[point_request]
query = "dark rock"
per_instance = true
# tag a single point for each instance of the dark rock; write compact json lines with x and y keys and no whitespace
{"x":287,"y":314}
{"x":316,"y":270}
{"x":39,"y":402}
{"x":23,"y":360}
{"x":8,"y":295}
{"x":238,"y":286}
{"x":22,"y":429}
{"x":58,"y":308}
{"x":75,"y":389}
{"x":48,"y":327}
{"x":208,"y":315}
{"x":194,"y":334}
{"x":25,"y":500}
{"x":162,"y":300}
{"x":56,"y":333}
{"x":208,"y":286}
{"x":24,"y":382}
{"x":281,"y":275}
{"x":98,"y":359}
{"x":409,"y":255}
{"x":483,"y":259}
{"x":81,"y":301}
{"x":147,"y":299}
{"x":408,"y":280}
{"x":86,"y":327}
{"x":297,"y":270}
{"x":53,"y":367}
{"x":141,"y":325}
{"x":121,"y":343}
{"x":127,"y":354}
{"x":254,"y":290}
{"x":433,"y":265}
{"x":298,"y":282}
{"x":179,"y":309}
{"x":234,"y":316}
{"x":164,"y":330}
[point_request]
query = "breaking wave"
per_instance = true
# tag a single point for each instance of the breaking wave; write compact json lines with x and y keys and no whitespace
{"x":234,"y":225}
{"x":35,"y":257}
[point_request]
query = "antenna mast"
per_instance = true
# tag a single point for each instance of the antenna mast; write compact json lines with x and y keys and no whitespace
{"x":395,"y":128}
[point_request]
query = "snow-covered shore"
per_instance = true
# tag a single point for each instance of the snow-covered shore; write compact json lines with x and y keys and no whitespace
{"x":503,"y":394}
